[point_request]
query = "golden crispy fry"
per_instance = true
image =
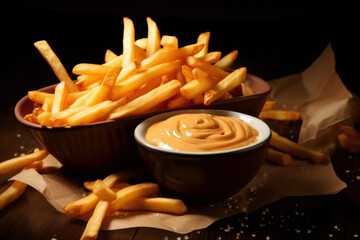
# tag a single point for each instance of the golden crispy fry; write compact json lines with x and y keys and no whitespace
{"x":60,"y":118}
{"x":127,"y":71}
{"x":109,"y":56}
{"x":210,"y":69}
{"x":197,"y":86}
{"x":204,"y":39}
{"x":246,"y":90}
{"x":39,"y":97}
{"x":134,"y":82}
{"x":225,"y":85}
{"x":187,"y":72}
{"x":170,"y":42}
{"x":130,"y":193}
{"x":103,"y":91}
{"x":280,"y":115}
{"x":126,"y":175}
{"x":278,"y":158}
{"x":12,"y":193}
{"x":60,"y":97}
{"x":227,"y":60}
{"x":269,"y":105}
{"x":212,"y":57}
{"x":156,"y":204}
{"x":93,"y":225}
{"x":199,"y":74}
{"x":56,"y":65}
{"x":178,"y":102}
{"x":294,"y":149}
{"x":88,"y":203}
{"x":103,"y":192}
{"x":47,"y":106}
{"x":148,"y":100}
{"x":141,"y":43}
{"x":91,"y":69}
{"x":17,"y":163}
{"x":153,"y":40}
{"x":98,"y":112}
{"x":128,"y":42}
{"x":84,"y":81}
{"x":158,"y":57}
{"x":44,"y":119}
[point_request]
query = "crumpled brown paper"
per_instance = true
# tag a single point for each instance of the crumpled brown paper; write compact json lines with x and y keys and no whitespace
{"x":310,"y":92}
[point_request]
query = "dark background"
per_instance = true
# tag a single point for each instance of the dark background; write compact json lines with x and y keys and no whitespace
{"x":274,"y":39}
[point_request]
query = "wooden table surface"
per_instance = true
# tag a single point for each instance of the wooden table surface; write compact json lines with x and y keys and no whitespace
{"x":309,"y":217}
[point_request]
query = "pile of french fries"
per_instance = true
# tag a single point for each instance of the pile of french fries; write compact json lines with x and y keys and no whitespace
{"x":282,"y":150}
{"x":114,"y":196}
{"x":152,"y":73}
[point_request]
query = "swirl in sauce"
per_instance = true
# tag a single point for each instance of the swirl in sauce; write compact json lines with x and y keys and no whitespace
{"x":201,"y":132}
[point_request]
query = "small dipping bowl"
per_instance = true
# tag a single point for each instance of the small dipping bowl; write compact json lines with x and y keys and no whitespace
{"x":203,"y":177}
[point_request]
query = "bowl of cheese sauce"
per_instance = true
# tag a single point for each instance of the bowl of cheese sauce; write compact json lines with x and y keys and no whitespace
{"x":202,"y":155}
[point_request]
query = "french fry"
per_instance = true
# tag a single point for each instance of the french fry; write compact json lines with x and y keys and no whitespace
{"x":178,"y":102}
{"x":128,"y":42}
{"x":60,"y":118}
{"x":127,"y":71}
{"x":84,"y":81}
{"x":141,"y":43}
{"x":197,"y":86}
{"x":109,"y":56}
{"x":56,"y":65}
{"x":212,"y":57}
{"x":269,"y":105}
{"x":225,"y":85}
{"x":17,"y":163}
{"x":148,"y":100}
{"x":156,"y":204}
{"x":246,"y":90}
{"x":12,"y":193}
{"x":95,"y":113}
{"x":170,"y":42}
{"x":93,"y":225}
{"x":103,"y":91}
{"x":349,"y":139}
{"x":60,"y":97}
{"x":129,"y":85}
{"x":153,"y":40}
{"x":210,"y":69}
{"x":91,"y":69}
{"x":87,"y":203}
{"x":158,"y":57}
{"x":17,"y":188}
{"x":204,"y":39}
{"x":126,"y":175}
{"x":280,"y":115}
{"x":227,"y":60}
{"x":187,"y":72}
{"x":294,"y":149}
{"x":44,"y":119}
{"x":278,"y":158}
{"x":130,"y":193}
{"x":103,"y":192}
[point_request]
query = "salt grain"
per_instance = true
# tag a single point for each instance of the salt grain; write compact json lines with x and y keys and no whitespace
{"x":186,"y":237}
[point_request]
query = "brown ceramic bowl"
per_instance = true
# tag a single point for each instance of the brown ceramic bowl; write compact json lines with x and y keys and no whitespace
{"x":204,"y":177}
{"x":104,"y":147}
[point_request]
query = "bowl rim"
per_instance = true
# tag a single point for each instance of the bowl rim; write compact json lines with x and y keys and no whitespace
{"x":20,"y":103}
{"x":261,"y":126}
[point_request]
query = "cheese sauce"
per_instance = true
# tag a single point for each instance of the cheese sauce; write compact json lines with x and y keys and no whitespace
{"x":201,"y":132}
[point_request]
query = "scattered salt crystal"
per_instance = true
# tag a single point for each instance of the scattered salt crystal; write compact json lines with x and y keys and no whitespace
{"x":267,"y":238}
{"x":347,"y":171}
{"x":253,"y":235}
{"x":18,"y":135}
{"x":355,"y":235}
{"x":22,"y":154}
{"x":166,"y":238}
{"x":309,"y":231}
{"x":21,"y":147}
{"x":358,"y":177}
{"x":178,"y":238}
{"x":186,"y":237}
{"x":15,"y":154}
{"x":331,"y":235}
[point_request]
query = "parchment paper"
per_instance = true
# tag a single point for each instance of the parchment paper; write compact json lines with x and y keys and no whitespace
{"x":317,"y":93}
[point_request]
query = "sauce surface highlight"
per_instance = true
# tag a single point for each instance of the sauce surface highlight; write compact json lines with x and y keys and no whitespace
{"x":201,"y":132}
